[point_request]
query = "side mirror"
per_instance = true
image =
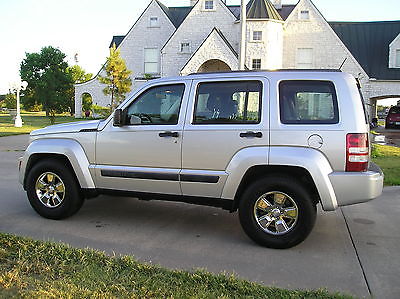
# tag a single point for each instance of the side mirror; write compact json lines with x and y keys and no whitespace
{"x":118,"y":118}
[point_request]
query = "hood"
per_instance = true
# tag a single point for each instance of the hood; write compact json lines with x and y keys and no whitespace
{"x":73,"y":127}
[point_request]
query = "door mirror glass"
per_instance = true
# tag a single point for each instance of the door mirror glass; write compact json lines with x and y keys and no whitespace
{"x":118,"y":118}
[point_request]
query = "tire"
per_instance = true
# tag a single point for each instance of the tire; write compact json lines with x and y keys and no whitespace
{"x":277,"y":212}
{"x":53,"y":190}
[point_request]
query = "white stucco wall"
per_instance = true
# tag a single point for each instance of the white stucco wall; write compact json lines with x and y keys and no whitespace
{"x":270,"y":48}
{"x":194,"y":29}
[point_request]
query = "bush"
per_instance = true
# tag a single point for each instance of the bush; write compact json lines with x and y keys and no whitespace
{"x":10,"y":101}
{"x":87,"y":102}
{"x":103,"y":112}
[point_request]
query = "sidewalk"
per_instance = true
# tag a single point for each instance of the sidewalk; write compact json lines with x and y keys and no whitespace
{"x":354,"y":250}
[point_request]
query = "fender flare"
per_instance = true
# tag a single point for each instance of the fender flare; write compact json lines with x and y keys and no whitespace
{"x":68,"y":148}
{"x":313,"y":161}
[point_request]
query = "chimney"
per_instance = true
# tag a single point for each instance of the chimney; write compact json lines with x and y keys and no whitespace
{"x":193,"y":2}
{"x":278,"y":4}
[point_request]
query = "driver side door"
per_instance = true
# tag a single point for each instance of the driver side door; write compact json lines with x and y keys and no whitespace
{"x":144,"y":155}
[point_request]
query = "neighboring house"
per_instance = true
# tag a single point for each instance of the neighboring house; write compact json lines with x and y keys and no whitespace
{"x":204,"y":37}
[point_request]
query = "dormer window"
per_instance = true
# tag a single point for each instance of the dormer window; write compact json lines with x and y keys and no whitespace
{"x":304,"y":15}
{"x":257,"y":35}
{"x":209,"y":5}
{"x":154,"y":22}
{"x":397,"y":57}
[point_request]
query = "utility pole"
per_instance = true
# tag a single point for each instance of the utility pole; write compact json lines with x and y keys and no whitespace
{"x":242,"y":54}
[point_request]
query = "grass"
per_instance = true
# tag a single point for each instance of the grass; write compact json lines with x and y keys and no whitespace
{"x":35,"y":269}
{"x":32,"y":121}
{"x":388,"y":158}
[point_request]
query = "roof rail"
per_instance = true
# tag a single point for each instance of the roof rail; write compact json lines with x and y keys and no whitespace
{"x":278,"y":70}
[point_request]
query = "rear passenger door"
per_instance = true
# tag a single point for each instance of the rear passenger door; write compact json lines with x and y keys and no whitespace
{"x":225,"y":116}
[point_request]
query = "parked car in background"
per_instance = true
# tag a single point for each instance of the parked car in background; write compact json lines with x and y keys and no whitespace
{"x":393,"y":118}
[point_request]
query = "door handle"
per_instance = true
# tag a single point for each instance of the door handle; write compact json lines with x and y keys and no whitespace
{"x":251,"y":134}
{"x":168,"y":134}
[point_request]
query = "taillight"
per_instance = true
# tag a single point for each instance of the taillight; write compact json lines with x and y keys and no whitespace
{"x":357,"y":152}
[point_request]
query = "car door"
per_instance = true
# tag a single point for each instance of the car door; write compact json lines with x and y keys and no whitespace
{"x":226,"y":116}
{"x":144,"y":155}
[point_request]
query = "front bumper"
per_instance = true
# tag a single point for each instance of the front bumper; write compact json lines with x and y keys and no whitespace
{"x":356,"y":187}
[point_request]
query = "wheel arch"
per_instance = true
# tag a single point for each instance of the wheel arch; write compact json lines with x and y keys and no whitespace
{"x":260,"y":171}
{"x":68,"y":151}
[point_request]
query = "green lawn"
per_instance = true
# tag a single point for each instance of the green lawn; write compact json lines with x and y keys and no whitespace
{"x":388,"y":158}
{"x":35,"y":269}
{"x":31,"y":121}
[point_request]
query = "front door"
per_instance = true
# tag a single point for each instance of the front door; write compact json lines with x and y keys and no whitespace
{"x":144,"y":155}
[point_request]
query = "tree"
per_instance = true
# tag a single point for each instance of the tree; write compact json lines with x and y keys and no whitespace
{"x":117,"y":79}
{"x":10,"y":101}
{"x":48,"y":80}
{"x":78,"y":75}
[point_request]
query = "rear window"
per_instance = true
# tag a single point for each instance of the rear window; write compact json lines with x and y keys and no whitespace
{"x":308,"y":102}
{"x":394,"y":110}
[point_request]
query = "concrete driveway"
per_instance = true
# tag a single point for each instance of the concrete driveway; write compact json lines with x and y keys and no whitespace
{"x":353,"y":250}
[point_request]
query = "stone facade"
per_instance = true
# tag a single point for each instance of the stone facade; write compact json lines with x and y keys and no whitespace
{"x":194,"y":30}
{"x":208,"y":39}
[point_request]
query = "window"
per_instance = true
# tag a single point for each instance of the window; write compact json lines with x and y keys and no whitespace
{"x":397,"y":57}
{"x":209,"y":5}
{"x":151,"y":61}
{"x":256,"y":64}
{"x":308,"y":102}
{"x":157,"y":105}
{"x":304,"y":15}
{"x":228,"y":103}
{"x":185,"y":47}
{"x":304,"y":58}
{"x":154,"y":22}
{"x":257,"y":35}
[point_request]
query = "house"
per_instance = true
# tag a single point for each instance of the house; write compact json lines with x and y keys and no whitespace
{"x":205,"y":36}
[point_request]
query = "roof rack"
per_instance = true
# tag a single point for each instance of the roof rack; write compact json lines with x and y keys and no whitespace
{"x":278,"y":70}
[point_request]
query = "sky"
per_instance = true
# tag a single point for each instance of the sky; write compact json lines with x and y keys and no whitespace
{"x":86,"y":27}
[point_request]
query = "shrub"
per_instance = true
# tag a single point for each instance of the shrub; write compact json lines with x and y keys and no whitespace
{"x":101,"y":111}
{"x":10,"y":101}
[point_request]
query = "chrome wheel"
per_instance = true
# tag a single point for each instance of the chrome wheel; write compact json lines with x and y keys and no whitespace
{"x":50,"y":189}
{"x":276,"y":212}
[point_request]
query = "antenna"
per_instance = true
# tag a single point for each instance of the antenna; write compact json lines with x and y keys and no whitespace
{"x":340,"y":68}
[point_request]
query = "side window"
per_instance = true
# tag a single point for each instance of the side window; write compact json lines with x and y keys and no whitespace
{"x":308,"y":102}
{"x":228,"y":103}
{"x":157,"y":105}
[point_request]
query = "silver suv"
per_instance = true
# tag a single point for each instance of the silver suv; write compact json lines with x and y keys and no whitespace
{"x":272,"y":145}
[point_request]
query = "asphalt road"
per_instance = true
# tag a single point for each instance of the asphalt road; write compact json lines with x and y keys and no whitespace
{"x":354,"y":250}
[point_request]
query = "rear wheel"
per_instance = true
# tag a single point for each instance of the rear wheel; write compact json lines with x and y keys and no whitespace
{"x":53,"y":190}
{"x":277,"y":212}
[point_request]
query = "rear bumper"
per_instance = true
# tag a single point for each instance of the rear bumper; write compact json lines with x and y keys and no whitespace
{"x":356,"y":187}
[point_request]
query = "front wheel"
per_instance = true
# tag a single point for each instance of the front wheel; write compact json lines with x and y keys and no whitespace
{"x":277,"y":212}
{"x":53,"y":190}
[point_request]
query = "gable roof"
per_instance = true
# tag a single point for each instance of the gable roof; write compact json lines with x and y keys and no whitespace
{"x":178,"y":14}
{"x":262,"y":9}
{"x":223,"y":38}
{"x":369,"y":43}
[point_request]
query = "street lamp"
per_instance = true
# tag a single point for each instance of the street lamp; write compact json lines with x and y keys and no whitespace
{"x":18,"y":86}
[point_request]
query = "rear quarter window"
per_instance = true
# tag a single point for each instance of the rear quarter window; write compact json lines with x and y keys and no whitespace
{"x":308,"y":102}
